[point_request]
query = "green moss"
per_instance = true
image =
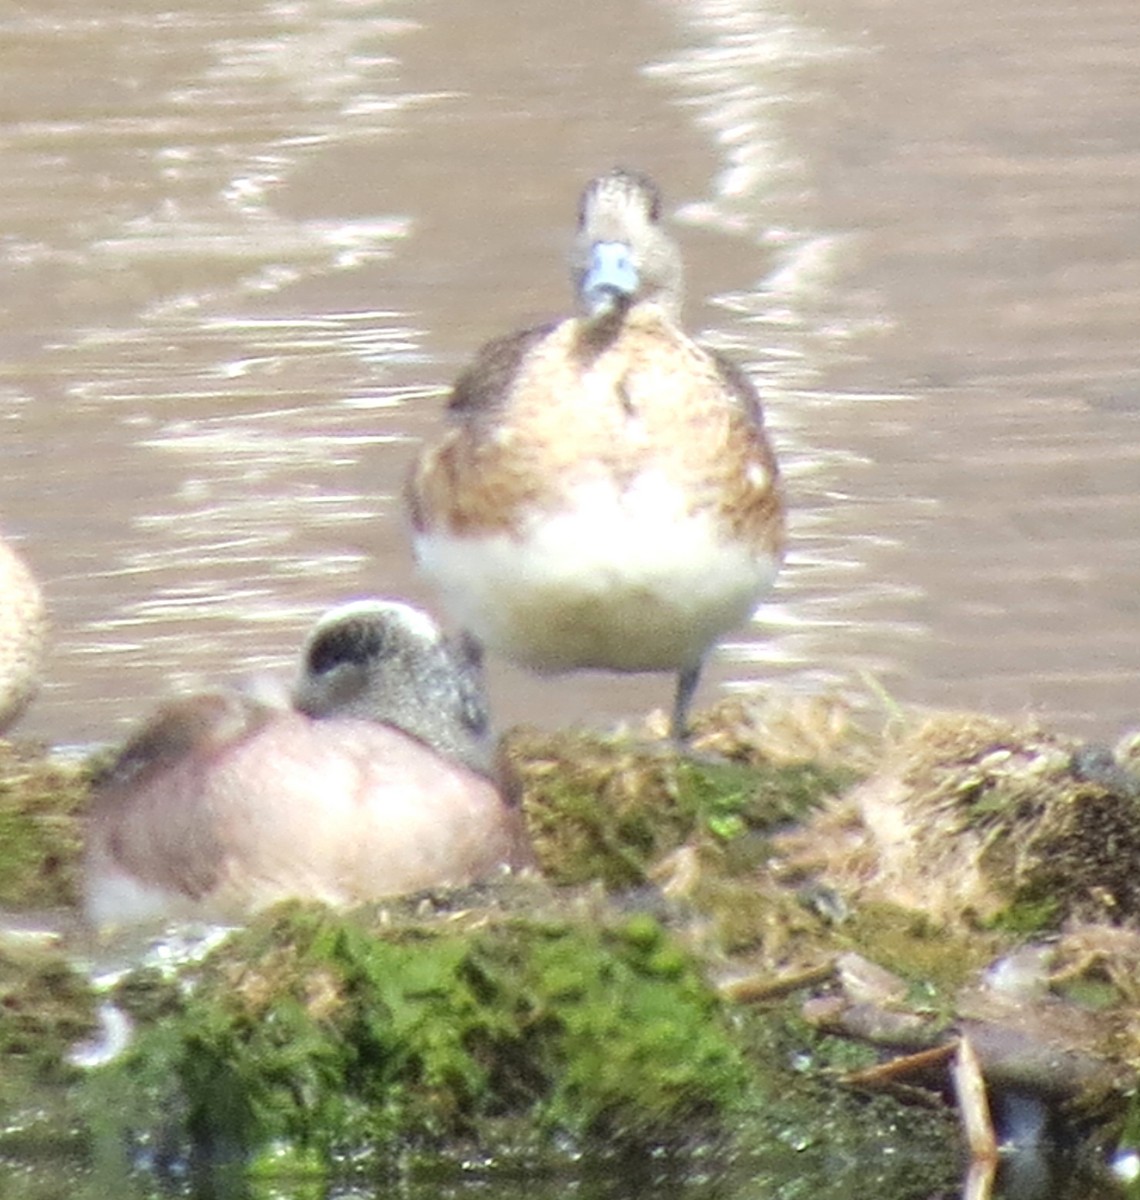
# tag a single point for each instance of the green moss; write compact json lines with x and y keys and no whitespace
{"x":918,"y":949}
{"x":730,"y":799}
{"x":45,"y":1006}
{"x":1093,"y":995}
{"x":744,"y":914}
{"x":309,"y":1028}
{"x":1027,"y":915}
{"x":609,"y":809}
{"x":40,"y":836}
{"x":310,"y":1042}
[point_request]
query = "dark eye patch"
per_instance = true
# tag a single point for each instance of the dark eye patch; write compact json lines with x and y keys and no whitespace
{"x":346,"y":642}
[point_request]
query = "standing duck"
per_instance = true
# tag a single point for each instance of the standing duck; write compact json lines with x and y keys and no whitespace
{"x":605,"y":496}
{"x":373,"y":781}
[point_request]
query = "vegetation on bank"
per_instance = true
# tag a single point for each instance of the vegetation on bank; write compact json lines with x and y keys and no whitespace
{"x":720,"y":954}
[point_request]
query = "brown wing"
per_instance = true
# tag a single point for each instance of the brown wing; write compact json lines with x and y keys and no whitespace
{"x":739,"y":385}
{"x":477,"y":398}
{"x":753,"y":503}
{"x":484,"y":385}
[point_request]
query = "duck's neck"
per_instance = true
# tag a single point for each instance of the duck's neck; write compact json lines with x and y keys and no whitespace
{"x":596,"y":336}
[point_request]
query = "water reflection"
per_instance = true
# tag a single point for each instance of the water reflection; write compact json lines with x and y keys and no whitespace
{"x":246,"y":250}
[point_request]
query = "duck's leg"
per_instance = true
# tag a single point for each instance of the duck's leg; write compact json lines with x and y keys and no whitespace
{"x":687,"y":680}
{"x":473,"y":677}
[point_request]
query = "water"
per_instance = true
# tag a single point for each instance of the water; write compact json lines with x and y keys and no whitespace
{"x":246,"y":248}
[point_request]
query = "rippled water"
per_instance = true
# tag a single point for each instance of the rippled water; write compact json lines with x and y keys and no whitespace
{"x":245,"y":248}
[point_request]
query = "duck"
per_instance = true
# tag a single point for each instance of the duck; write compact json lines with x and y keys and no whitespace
{"x":372,"y":777}
{"x":605,"y":494}
{"x":23,"y":635}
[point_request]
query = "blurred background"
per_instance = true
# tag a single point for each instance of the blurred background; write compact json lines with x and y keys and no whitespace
{"x":245,"y":247}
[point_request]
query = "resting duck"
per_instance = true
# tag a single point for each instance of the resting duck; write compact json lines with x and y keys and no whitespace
{"x":374,"y":781}
{"x":606,"y":495}
{"x":23,"y":632}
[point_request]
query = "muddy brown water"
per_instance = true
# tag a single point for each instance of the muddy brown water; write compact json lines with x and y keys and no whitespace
{"x":244,"y":248}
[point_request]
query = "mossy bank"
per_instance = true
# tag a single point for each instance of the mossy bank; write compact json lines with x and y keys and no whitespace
{"x":720,"y":952}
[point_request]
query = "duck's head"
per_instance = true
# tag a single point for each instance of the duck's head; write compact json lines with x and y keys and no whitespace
{"x":622,"y":256}
{"x":389,"y":662}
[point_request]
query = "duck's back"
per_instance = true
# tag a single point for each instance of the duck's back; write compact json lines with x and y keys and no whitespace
{"x":341,"y":810}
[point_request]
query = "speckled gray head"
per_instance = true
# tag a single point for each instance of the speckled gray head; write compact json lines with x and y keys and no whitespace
{"x":622,"y":256}
{"x":389,"y":662}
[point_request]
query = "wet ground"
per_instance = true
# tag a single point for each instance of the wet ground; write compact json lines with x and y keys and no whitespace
{"x":244,"y":248}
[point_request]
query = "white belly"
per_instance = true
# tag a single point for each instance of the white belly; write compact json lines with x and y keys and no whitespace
{"x":627,"y":580}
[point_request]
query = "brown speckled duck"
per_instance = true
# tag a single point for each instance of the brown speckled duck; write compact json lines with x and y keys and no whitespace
{"x":23,"y":632}
{"x":606,"y":495}
{"x":375,"y":781}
